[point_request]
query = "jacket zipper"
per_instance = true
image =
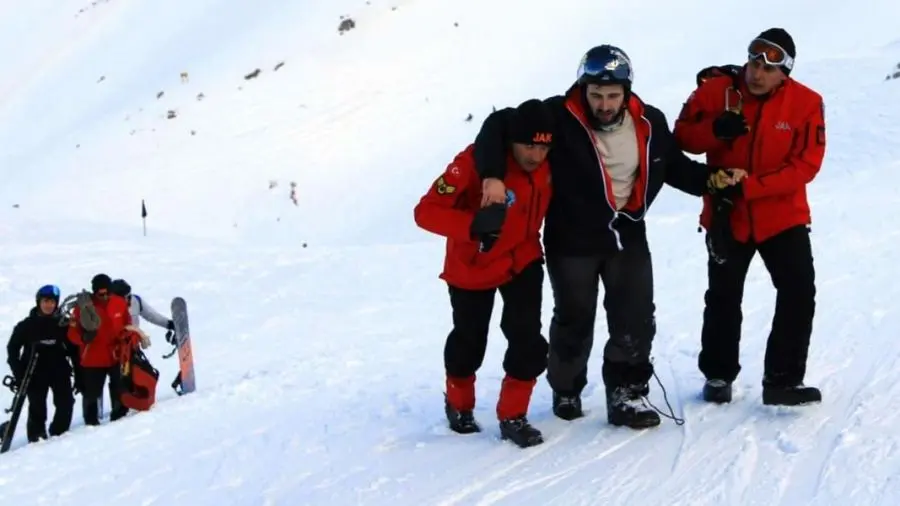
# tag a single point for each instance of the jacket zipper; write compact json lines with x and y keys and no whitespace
{"x":530,"y":204}
{"x":647,"y":141}
{"x":603,"y":176}
{"x":512,"y":256}
{"x":750,"y":162}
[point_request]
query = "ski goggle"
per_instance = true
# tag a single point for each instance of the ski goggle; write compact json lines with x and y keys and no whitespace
{"x":48,"y":292}
{"x":615,"y":68}
{"x":771,"y":53}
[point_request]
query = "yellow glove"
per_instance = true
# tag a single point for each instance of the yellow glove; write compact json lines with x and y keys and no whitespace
{"x":718,"y":180}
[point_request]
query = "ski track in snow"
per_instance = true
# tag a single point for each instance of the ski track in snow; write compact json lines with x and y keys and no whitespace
{"x":288,"y":410}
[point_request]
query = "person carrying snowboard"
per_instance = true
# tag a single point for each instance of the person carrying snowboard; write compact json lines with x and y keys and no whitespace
{"x":42,"y":332}
{"x":97,"y":324}
{"x":491,"y":248}
{"x":139,"y":308}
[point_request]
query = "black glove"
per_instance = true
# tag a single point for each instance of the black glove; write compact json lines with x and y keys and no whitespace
{"x":18,"y":371}
{"x":719,"y":237}
{"x":487,"y":224}
{"x":170,"y":335}
{"x":730,"y":125}
{"x":17,"y":375}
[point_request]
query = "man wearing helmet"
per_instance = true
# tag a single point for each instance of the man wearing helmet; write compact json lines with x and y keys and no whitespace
{"x":44,"y":332}
{"x":613,"y":154}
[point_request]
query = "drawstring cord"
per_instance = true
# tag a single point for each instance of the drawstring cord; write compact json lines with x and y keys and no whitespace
{"x":671,"y":414}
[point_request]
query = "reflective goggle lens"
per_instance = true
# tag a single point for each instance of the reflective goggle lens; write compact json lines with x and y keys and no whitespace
{"x":771,"y":53}
{"x":616,"y":69}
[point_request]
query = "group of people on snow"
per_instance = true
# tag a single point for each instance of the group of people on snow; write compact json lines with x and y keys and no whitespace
{"x":77,"y":352}
{"x":587,"y":165}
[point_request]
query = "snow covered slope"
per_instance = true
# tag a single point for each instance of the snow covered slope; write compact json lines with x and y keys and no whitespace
{"x":319,"y":368}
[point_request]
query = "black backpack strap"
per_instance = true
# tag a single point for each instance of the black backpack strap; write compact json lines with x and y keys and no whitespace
{"x":734,"y":71}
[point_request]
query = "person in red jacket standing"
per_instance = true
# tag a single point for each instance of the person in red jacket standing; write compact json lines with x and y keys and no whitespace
{"x":493,"y":247}
{"x":97,"y":348}
{"x":771,"y":130}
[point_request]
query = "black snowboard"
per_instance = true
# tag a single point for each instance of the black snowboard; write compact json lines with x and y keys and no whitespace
{"x":8,"y":428}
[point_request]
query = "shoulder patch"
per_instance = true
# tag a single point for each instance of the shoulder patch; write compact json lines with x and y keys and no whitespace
{"x":442,"y":188}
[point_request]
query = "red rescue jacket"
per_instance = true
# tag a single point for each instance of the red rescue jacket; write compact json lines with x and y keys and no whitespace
{"x":450,"y":206}
{"x":782,"y":153}
{"x":101,"y":351}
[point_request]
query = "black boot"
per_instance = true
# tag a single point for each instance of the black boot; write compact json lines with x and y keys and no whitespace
{"x":717,"y":391}
{"x":461,"y":422}
{"x":567,"y":407}
{"x":35,"y":430}
{"x":34,"y":436}
{"x":520,"y":432}
{"x":118,"y":413}
{"x":625,"y":407}
{"x":796,"y":395}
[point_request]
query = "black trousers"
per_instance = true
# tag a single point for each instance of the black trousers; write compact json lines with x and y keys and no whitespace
{"x":94,"y":379}
{"x":788,"y":258}
{"x":60,"y":383}
{"x":627,"y":278}
{"x":526,"y":352}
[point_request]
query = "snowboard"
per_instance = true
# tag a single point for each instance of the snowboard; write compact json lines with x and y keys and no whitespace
{"x":184,"y":383}
{"x":8,"y":428}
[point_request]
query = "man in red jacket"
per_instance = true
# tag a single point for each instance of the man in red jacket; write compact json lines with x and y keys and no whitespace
{"x":490,"y":248}
{"x":97,"y":349}
{"x":771,"y":129}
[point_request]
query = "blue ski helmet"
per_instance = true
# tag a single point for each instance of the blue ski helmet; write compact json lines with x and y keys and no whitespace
{"x":47,"y":292}
{"x":606,"y":64}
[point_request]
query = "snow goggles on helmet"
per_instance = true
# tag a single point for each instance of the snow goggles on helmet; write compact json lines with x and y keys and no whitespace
{"x":612,"y":68}
{"x":48,"y":292}
{"x":771,"y":53}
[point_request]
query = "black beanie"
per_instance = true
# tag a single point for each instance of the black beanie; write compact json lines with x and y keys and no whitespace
{"x":120,"y":287}
{"x":100,"y":282}
{"x":782,"y":38}
{"x":531,"y":123}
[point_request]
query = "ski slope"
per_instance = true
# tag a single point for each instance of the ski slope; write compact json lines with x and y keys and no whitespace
{"x":318,"y":327}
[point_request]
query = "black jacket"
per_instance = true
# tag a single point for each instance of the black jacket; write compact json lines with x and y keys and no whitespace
{"x":45,"y":334}
{"x":582,"y":219}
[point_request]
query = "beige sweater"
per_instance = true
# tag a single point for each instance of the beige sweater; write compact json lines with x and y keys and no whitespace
{"x":619,"y":151}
